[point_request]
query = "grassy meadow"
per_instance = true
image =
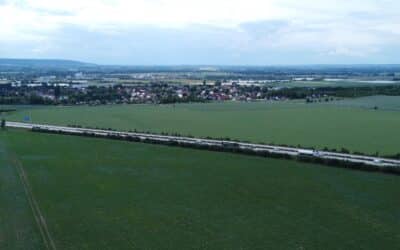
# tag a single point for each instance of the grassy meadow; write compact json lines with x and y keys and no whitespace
{"x":352,"y":124}
{"x":101,"y":194}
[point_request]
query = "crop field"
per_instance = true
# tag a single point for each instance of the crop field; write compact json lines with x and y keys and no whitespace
{"x":112,"y":194}
{"x":391,"y":103}
{"x":334,"y":125}
{"x":17,"y":225}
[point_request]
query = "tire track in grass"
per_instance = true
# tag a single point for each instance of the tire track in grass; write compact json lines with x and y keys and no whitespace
{"x":39,"y":218}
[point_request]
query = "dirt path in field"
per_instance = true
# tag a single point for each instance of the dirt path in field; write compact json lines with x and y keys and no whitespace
{"x":39,"y":218}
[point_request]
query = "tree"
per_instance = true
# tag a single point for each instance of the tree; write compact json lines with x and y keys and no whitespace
{"x":3,"y":123}
{"x":57,"y":92}
{"x":345,"y":151}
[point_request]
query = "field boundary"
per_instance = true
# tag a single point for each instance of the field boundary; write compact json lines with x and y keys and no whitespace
{"x":344,"y":160}
{"x":37,"y":213}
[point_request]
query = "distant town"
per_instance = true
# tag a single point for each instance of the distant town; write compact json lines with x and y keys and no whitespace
{"x":77,"y":84}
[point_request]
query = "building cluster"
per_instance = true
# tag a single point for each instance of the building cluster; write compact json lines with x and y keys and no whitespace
{"x":72,"y":93}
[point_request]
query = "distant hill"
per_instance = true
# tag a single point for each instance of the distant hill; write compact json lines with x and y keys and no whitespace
{"x":42,"y":63}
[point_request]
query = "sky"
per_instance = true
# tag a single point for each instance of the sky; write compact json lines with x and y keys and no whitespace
{"x":207,"y":32}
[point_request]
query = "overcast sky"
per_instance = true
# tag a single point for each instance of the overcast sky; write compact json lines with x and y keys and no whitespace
{"x":230,"y":32}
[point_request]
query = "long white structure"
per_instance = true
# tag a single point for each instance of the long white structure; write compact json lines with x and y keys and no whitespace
{"x":367,"y":160}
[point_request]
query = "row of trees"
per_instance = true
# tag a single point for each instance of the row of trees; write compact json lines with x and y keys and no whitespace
{"x":342,"y":150}
{"x":234,"y":148}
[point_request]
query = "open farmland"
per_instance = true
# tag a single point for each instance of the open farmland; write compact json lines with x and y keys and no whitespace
{"x":17,"y":225}
{"x":111,"y":194}
{"x":293,"y":123}
{"x":390,"y":103}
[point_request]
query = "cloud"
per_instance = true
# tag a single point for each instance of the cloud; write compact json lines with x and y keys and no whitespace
{"x":342,"y":51}
{"x":178,"y":31}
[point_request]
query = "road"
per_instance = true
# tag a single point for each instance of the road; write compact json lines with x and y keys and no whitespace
{"x":367,"y":160}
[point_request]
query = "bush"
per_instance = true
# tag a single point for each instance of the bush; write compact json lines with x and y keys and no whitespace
{"x":345,"y":151}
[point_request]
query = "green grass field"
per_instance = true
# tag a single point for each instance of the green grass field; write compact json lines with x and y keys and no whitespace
{"x":17,"y":226}
{"x":102,"y":194}
{"x":391,"y":103}
{"x":313,"y":125}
